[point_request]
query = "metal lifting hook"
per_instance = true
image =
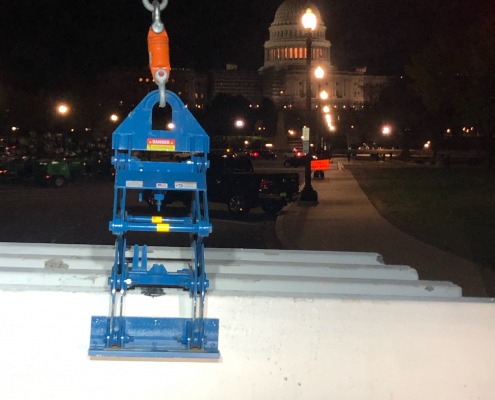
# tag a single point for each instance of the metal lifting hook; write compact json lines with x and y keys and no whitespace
{"x":149,"y":6}
{"x":158,"y":48}
{"x":156,"y":8}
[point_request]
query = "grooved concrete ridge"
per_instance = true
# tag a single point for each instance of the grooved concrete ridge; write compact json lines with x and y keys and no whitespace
{"x":345,"y":220}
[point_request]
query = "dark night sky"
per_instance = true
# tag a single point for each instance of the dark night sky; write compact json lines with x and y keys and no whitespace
{"x":51,"y":44}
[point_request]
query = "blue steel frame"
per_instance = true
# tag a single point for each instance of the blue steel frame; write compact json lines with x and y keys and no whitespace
{"x":119,"y":336}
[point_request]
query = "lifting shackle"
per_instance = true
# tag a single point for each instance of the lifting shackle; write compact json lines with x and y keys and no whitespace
{"x":158,"y":49}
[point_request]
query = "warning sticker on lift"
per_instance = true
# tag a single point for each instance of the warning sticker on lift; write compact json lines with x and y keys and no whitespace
{"x":155,"y":144}
{"x":185,"y":185}
{"x":134,"y":184}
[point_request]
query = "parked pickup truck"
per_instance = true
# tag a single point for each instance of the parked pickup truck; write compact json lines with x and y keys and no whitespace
{"x":231,"y":180}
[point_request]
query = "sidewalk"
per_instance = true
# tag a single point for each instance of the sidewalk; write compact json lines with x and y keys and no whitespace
{"x":345,"y":220}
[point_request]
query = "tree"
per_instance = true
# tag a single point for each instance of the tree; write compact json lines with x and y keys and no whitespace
{"x":401,"y":107}
{"x":267,"y":114}
{"x":453,"y":76}
{"x":222,"y":113}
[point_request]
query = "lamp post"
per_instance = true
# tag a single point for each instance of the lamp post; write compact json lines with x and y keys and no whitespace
{"x":308,"y":194}
{"x":319,"y":75}
{"x":323,"y":95}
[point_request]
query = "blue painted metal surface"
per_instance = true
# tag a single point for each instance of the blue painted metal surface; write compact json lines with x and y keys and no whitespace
{"x":140,"y":166}
{"x":155,"y":337}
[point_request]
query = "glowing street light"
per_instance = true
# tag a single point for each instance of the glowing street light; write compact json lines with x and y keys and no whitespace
{"x":309,"y":20}
{"x":114,"y":118}
{"x":386,"y":130}
{"x":324,"y":95}
{"x":63,"y":109}
{"x":319,"y":72}
{"x":239,"y":123}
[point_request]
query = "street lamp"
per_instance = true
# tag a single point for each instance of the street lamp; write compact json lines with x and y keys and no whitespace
{"x":239,"y":123}
{"x":323,"y":95}
{"x":63,"y":109}
{"x":319,"y":72}
{"x":308,"y":194}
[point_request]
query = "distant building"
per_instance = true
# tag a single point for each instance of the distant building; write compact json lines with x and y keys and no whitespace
{"x":233,"y":82}
{"x":284,"y":70}
{"x":190,"y":86}
{"x":282,"y":78}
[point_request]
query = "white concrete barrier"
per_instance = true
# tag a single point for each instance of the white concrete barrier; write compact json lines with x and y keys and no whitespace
{"x":296,"y":346}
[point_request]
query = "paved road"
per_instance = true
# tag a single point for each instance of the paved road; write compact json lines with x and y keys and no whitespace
{"x":79,"y":213}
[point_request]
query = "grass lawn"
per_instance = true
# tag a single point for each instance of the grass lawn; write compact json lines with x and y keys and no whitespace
{"x":450,"y":208}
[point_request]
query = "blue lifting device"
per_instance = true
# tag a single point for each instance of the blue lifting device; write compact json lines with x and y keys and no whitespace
{"x":117,"y":335}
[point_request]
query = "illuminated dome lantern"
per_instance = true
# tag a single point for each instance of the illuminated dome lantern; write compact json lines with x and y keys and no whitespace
{"x":287,"y":43}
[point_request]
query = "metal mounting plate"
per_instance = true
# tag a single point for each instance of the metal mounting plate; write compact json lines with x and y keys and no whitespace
{"x":153,"y":338}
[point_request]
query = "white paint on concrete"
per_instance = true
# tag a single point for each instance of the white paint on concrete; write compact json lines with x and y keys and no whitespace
{"x":275,"y":343}
{"x":271,"y":348}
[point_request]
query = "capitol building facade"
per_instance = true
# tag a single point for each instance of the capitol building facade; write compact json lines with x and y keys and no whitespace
{"x":282,"y":78}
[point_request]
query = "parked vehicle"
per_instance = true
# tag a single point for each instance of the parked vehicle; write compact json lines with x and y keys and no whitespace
{"x":46,"y":172}
{"x":231,"y":180}
{"x":18,"y":170}
{"x":52,"y":173}
{"x":296,"y":160}
{"x":262,"y":155}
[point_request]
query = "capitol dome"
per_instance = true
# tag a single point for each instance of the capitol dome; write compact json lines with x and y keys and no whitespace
{"x":290,"y":12}
{"x":287,"y":43}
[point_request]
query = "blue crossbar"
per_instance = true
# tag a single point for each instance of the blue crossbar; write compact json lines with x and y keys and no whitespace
{"x":156,"y":337}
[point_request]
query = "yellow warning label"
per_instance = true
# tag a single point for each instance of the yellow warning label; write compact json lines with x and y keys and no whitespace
{"x":163,"y":227}
{"x":156,"y":220}
{"x":160,"y":144}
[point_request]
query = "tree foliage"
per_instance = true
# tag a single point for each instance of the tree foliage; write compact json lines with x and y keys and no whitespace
{"x":224,"y":110}
{"x":454,"y":77}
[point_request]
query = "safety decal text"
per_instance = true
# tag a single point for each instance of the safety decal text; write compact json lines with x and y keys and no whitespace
{"x":155,"y":144}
